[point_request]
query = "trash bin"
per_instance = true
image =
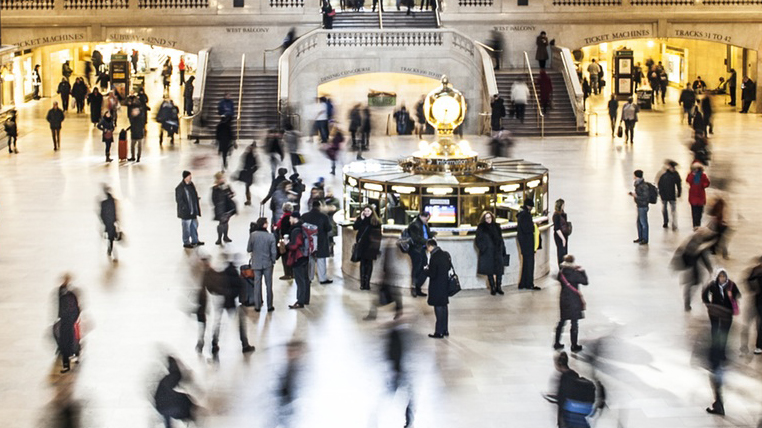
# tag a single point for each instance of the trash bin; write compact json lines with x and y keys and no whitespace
{"x":645,"y":98}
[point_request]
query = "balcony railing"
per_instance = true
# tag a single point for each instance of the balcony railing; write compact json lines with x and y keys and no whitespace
{"x":286,"y":3}
{"x":587,"y":2}
{"x":475,"y":3}
{"x":173,"y":4}
{"x":26,"y":4}
{"x":95,"y":4}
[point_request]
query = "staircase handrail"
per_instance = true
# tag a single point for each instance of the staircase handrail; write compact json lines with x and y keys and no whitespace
{"x":540,"y":115}
{"x":202,"y":71}
{"x":264,"y":56}
{"x":380,"y":18}
{"x":563,"y":62}
{"x":436,"y":14}
{"x":240,"y":99}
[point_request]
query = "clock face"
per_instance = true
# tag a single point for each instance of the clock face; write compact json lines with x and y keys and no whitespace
{"x":446,"y":109}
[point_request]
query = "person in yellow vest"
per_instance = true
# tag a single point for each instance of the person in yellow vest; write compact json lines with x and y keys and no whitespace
{"x":528,"y":242}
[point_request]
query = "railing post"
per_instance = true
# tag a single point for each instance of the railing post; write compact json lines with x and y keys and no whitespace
{"x":240,"y":99}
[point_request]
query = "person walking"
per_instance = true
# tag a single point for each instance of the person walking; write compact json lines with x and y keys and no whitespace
{"x":699,"y":124}
{"x":226,"y":107}
{"x":420,"y":233}
{"x":188,"y":96}
{"x":103,"y":80}
{"x":112,"y":104}
{"x":689,"y":257}
{"x":420,"y":117}
{"x":11,"y":130}
{"x":321,"y":119}
{"x":687,"y":100}
{"x":224,"y":207}
{"x":79,"y":92}
{"x":402,"y":121}
{"x":498,"y":113}
{"x":66,"y":70}
{"x":319,"y":259}
{"x":137,"y":133}
{"x":438,"y":272}
{"x":333,"y":150}
{"x":355,"y":122}
{"x":748,"y":94}
{"x":224,"y":136}
{"x":169,"y":401}
{"x":594,"y":70}
{"x":519,"y":97}
{"x":278,"y":183}
{"x":166,"y":75}
{"x":68,"y":315}
{"x":697,"y":181}
{"x":561,"y":230}
{"x":55,"y":118}
{"x":571,"y":301}
{"x":489,"y":241}
{"x":670,"y":189}
{"x":95,"y":100}
{"x":64,"y":89}
{"x":107,"y":125}
{"x":613,"y":107}
{"x":367,"y":245}
{"x":169,"y":120}
{"x":721,"y":299}
{"x":298,"y":258}
{"x":526,"y":240}
{"x":365,"y":132}
{"x":640,"y":196}
{"x":109,"y":218}
{"x":755,"y":284}
{"x":249,"y":166}
{"x":708,"y":111}
{"x":188,"y":210}
{"x":262,"y":247}
{"x":546,"y":91}
{"x":542,"y":49}
{"x":274,"y":144}
{"x":630,"y":118}
{"x":36,"y":81}
{"x":637,"y":76}
{"x":732,"y":81}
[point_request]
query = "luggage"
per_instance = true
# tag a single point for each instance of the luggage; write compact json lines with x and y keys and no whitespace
{"x":123,"y":145}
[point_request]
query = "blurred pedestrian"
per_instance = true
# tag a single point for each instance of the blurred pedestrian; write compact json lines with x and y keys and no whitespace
{"x":275,"y":185}
{"x":11,"y":130}
{"x":67,"y":323}
{"x":166,"y":75}
{"x":388,"y":293}
{"x":718,"y":222}
{"x":755,"y":284}
{"x":55,"y":118}
{"x":334,"y":146}
{"x":438,"y":271}
{"x":171,"y":403}
{"x":402,"y":121}
{"x":36,"y":82}
{"x":613,"y":107}
{"x":708,"y":111}
{"x":732,"y":79}
{"x":546,"y":91}
{"x":79,"y":92}
{"x":748,"y":94}
{"x":262,"y":247}
{"x":321,"y":119}
{"x":699,"y":124}
{"x":298,"y":258}
{"x":188,"y":96}
{"x":64,"y":89}
{"x":575,"y":396}
{"x":113,"y":104}
{"x":420,"y":116}
{"x":224,"y":207}
{"x":109,"y":218}
{"x":249,"y":166}
{"x":693,"y":252}
{"x":95,"y":99}
{"x":498,"y":113}
{"x":137,"y":130}
{"x":571,"y":301}
{"x":630,"y":118}
{"x":640,"y":197}
{"x":107,"y":125}
{"x":274,"y":149}
{"x":527,"y":247}
{"x":225,"y":107}
{"x":168,"y":118}
{"x":365,"y":131}
{"x":397,"y":349}
{"x":291,"y":138}
{"x":687,"y":100}
{"x":355,"y":122}
{"x":420,"y":233}
{"x":670,"y":189}
{"x":491,"y":262}
{"x":282,"y":229}
{"x":520,"y":98}
{"x":697,"y":181}
{"x":367,"y":245}
{"x":188,"y":210}
{"x":319,"y":259}
{"x":224,"y":136}
{"x":721,"y":299}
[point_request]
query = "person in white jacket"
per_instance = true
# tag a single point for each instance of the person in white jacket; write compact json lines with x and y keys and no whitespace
{"x":519,"y":97}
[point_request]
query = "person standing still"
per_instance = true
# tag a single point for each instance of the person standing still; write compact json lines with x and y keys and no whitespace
{"x":319,"y":260}
{"x":526,"y":242}
{"x":55,"y":118}
{"x":64,"y":89}
{"x":224,"y":136}
{"x":36,"y":81}
{"x":561,"y":230}
{"x":613,"y":110}
{"x":748,"y":94}
{"x":188,"y":97}
{"x":181,"y":68}
{"x":697,"y":181}
{"x":670,"y":189}
{"x":438,"y":272}
{"x":498,"y":113}
{"x":367,"y":243}
{"x":95,"y":99}
{"x":640,"y":196}
{"x":687,"y":100}
{"x":298,"y":258}
{"x":137,"y":133}
{"x":11,"y":130}
{"x":224,"y":207}
{"x":732,"y":86}
{"x":107,"y":125}
{"x":263,"y":255}
{"x":630,"y":118}
{"x":188,"y":210}
{"x":420,"y":233}
{"x":489,"y":242}
{"x":542,"y":49}
{"x":594,"y":70}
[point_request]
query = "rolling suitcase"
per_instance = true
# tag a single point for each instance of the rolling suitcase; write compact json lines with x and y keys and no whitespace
{"x":123,"y":145}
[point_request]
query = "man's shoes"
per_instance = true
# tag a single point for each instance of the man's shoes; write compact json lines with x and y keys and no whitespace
{"x":716,"y":411}
{"x":286,"y":278}
{"x":665,"y":225}
{"x":420,"y":293}
{"x":218,"y":242}
{"x":535,"y":288}
{"x":198,"y":244}
{"x":247,"y":349}
{"x":138,"y":160}
{"x":296,"y":305}
{"x":436,"y":336}
{"x":270,"y":309}
{"x":226,"y":239}
{"x":131,"y":159}
{"x":636,"y":241}
{"x":576,"y":348}
{"x":757,"y":351}
{"x":643,"y":242}
{"x":558,"y":346}
{"x":188,"y":245}
{"x":327,"y":281}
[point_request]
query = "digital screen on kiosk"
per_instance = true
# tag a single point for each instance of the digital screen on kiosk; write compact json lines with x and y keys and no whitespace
{"x":442,"y":214}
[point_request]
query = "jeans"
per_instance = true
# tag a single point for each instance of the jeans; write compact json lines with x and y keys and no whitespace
{"x":136,"y":142}
{"x":574,"y":331}
{"x":643,"y":224}
{"x":302,"y":283}
{"x":594,"y":84}
{"x":322,"y":129}
{"x":320,"y":264}
{"x":673,"y":210}
{"x":190,"y":231}
{"x":696,"y":213}
{"x":629,"y":130}
{"x":440,"y":312}
{"x":56,"y":138}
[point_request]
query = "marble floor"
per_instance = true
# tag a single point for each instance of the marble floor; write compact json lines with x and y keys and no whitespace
{"x":491,"y":371}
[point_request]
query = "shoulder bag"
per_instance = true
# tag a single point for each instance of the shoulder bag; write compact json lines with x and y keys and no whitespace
{"x":453,"y":282}
{"x":566,"y":284}
{"x":356,"y":248}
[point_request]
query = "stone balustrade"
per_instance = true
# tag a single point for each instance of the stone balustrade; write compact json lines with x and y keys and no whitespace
{"x":95,"y":4}
{"x":26,"y":4}
{"x":172,"y":4}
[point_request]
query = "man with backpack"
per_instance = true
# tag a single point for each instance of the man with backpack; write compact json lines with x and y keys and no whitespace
{"x":576,"y":397}
{"x":298,"y":249}
{"x":645,"y":193}
{"x":323,"y":226}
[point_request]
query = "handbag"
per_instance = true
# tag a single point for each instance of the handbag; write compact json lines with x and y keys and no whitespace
{"x":453,"y":282}
{"x":506,"y":259}
{"x":619,"y":130}
{"x":581,"y":297}
{"x":567,"y":229}
{"x":355,"y":253}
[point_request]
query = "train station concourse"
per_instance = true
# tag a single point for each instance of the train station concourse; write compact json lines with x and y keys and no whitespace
{"x":154,"y":155}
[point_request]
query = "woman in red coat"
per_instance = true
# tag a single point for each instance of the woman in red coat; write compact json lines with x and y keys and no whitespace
{"x":546,"y":91}
{"x":698,"y":182}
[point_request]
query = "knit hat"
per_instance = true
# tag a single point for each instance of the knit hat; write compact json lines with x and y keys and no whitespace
{"x":186,"y":174}
{"x":296,"y":215}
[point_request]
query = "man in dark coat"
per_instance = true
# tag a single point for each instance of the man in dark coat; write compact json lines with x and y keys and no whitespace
{"x":525,"y":238}
{"x":108,"y":217}
{"x":755,"y":284}
{"x":542,"y":49}
{"x":489,"y":242}
{"x":748,"y":94}
{"x":137,"y":130}
{"x":316,"y":217}
{"x":224,"y":136}
{"x":188,"y":96}
{"x":419,"y":233}
{"x":498,"y":112}
{"x":438,"y":272}
{"x":169,"y":402}
{"x":55,"y":118}
{"x":79,"y":92}
{"x":732,"y":86}
{"x":571,"y":302}
{"x":68,"y":314}
{"x":670,"y":188}
{"x":188,"y":210}
{"x":298,"y":258}
{"x":64,"y":89}
{"x":95,"y":99}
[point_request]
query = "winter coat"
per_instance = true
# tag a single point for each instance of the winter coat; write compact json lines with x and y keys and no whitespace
{"x":169,"y":401}
{"x":641,"y":193}
{"x":416,"y":230}
{"x":108,"y":216}
{"x":224,"y":136}
{"x":748,"y":90}
{"x":11,"y":129}
{"x":248,"y":167}
{"x":613,"y":108}
{"x":68,"y":313}
{"x":721,"y":298}
{"x":570,"y":301}
{"x":667,"y":183}
{"x":696,"y":191}
{"x":187,"y":201}
{"x":525,"y":230}
{"x":137,"y":125}
{"x":489,"y":242}
{"x":546,"y":87}
{"x":498,"y":112}
{"x":64,"y":88}
{"x":55,"y":118}
{"x":439,"y":278}
{"x":687,"y":99}
{"x":106,"y":125}
{"x":542,"y":48}
{"x":355,"y":120}
{"x":368,"y":238}
{"x":95,"y":99}
{"x":317,"y":218}
{"x":262,"y":248}
{"x":222,"y":200}
{"x":79,"y":90}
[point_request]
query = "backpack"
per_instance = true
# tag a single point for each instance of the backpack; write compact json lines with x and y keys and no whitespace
{"x":653,"y":193}
{"x":310,"y":238}
{"x":404,"y":241}
{"x":580,"y":403}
